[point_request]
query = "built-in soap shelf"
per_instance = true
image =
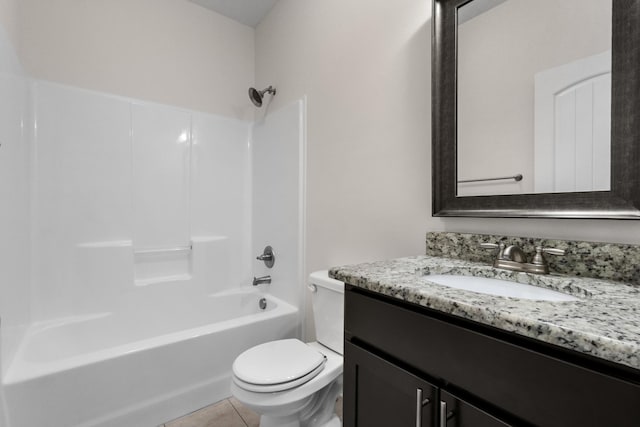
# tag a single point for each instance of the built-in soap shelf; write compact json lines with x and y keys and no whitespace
{"x":116,"y":263}
{"x":162,"y":264}
{"x":163,"y":250}
{"x":163,"y":279}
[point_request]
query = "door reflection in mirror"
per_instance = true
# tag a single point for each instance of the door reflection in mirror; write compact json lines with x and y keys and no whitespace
{"x":504,"y":49}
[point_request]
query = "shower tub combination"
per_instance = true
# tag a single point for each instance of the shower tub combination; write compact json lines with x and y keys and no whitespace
{"x":138,"y":367}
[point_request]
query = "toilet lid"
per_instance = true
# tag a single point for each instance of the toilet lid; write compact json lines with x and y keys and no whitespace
{"x":278,"y":362}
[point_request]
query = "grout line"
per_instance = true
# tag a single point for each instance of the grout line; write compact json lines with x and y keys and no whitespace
{"x":238,"y":412}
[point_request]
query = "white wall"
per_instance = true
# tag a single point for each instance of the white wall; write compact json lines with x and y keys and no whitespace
{"x":365,"y":67}
{"x":169,"y":51}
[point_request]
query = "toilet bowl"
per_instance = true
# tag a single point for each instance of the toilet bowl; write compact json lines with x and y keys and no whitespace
{"x":295,"y":384}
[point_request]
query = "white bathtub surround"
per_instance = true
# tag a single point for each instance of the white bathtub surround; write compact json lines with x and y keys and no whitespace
{"x":144,"y":249}
{"x":162,"y":264}
{"x":14,"y":214}
{"x":219,"y":205}
{"x":113,"y":275}
{"x":82,"y":190}
{"x":120,"y":184}
{"x":279,"y":183}
{"x":161,"y":165}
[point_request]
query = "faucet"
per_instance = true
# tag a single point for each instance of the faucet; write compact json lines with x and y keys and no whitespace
{"x":513,"y":258}
{"x":263,"y":279}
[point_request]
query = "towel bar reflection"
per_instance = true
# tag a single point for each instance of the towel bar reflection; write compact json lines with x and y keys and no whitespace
{"x":517,"y":177}
{"x":163,"y":250}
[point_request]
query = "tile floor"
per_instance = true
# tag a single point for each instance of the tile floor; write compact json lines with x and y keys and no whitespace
{"x":227,"y":413}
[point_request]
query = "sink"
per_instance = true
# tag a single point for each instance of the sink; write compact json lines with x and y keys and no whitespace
{"x":498,"y":287}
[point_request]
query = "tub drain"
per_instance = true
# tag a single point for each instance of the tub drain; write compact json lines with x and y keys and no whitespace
{"x":262,"y":303}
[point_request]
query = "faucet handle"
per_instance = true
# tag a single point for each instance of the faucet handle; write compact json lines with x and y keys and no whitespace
{"x":538,"y":258}
{"x":488,"y":245}
{"x":267,"y":256}
{"x":554,"y":251}
{"x":499,"y":246}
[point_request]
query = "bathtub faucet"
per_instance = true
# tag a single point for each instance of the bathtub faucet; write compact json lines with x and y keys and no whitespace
{"x":263,"y":279}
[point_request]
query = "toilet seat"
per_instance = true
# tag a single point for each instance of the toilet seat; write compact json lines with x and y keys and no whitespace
{"x":277,"y":387}
{"x":277,"y":366}
{"x":262,"y":402}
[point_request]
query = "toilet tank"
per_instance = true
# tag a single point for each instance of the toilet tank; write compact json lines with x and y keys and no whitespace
{"x":327,"y":299}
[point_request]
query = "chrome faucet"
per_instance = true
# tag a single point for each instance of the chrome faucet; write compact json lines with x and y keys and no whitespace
{"x":513,"y":258}
{"x":263,"y":279}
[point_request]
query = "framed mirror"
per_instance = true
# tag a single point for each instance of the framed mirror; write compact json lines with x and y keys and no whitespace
{"x":503,"y":84}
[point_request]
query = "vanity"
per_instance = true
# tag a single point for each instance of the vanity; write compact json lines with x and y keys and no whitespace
{"x":421,"y":354}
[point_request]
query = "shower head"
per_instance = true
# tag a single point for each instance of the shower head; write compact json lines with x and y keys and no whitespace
{"x":257,"y":95}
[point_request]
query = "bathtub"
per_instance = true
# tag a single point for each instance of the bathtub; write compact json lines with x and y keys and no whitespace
{"x":141,"y":366}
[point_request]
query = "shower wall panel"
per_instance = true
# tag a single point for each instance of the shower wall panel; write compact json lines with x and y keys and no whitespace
{"x":82,"y":187}
{"x":279,"y":157}
{"x":161,"y":151}
{"x":14,"y":213}
{"x":221,"y":190}
{"x":115,"y":177}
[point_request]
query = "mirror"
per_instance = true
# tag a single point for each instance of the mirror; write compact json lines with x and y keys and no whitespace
{"x":542,"y":113}
{"x":473,"y":62}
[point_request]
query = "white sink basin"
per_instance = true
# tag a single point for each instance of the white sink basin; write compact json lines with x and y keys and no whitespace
{"x":498,"y":287}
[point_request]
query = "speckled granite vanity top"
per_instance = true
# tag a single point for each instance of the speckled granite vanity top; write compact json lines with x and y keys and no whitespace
{"x":604,"y":322}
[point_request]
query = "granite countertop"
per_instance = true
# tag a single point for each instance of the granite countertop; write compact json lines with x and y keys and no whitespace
{"x":604,"y":322}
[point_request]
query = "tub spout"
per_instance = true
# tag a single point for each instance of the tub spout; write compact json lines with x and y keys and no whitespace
{"x":263,"y":279}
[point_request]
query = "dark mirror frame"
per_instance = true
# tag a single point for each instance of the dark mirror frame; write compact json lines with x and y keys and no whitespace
{"x":622,"y":202}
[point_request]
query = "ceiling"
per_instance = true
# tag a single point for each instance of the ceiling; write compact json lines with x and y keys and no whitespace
{"x":248,"y":12}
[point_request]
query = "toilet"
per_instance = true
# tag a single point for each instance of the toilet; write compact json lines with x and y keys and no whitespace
{"x":295,"y":384}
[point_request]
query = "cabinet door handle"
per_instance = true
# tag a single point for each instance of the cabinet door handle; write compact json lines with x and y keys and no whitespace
{"x":419,"y":404}
{"x":443,"y":414}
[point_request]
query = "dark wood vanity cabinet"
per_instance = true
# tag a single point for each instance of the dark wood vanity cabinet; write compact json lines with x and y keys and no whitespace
{"x":381,"y":394}
{"x":406,"y":365}
{"x":454,"y":411}
{"x":407,"y":399}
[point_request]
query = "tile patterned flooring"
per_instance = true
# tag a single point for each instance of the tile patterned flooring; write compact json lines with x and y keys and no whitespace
{"x":227,"y":413}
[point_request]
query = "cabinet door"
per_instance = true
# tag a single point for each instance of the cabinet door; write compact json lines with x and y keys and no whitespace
{"x":540,"y":385}
{"x":454,"y":412}
{"x":378,"y":393}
